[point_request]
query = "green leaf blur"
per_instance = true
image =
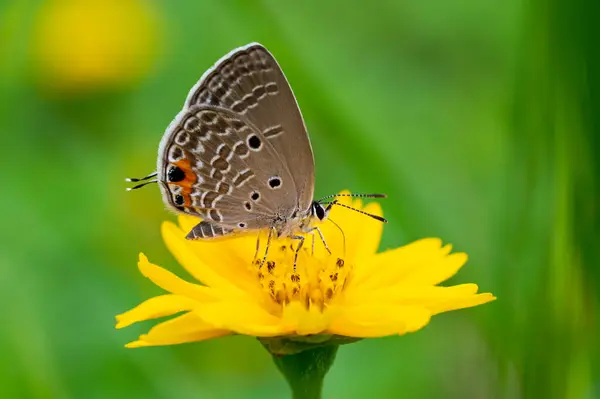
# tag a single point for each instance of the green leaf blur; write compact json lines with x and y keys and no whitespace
{"x":480,"y":120}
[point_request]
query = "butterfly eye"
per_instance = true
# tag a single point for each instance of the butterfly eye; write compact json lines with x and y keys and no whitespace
{"x":319,"y":211}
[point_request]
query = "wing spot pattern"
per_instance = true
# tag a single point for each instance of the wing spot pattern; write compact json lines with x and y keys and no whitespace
{"x":215,"y":215}
{"x":254,"y":142}
{"x":175,"y":154}
{"x":275,"y":182}
{"x":273,"y":131}
{"x":223,"y":188}
{"x":208,"y":117}
{"x":259,"y":92}
{"x":191,"y":123}
{"x":227,"y":76}
{"x":182,"y":138}
{"x":241,"y":149}
{"x":209,"y":199}
{"x":216,"y":174}
{"x":272,"y":88}
{"x":243,"y":177}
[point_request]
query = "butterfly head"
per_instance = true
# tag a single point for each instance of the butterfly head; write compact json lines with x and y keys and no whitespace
{"x":321,"y":212}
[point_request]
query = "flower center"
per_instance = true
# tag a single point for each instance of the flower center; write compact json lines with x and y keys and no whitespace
{"x":316,"y":281}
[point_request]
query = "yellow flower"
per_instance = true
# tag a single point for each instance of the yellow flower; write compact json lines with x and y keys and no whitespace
{"x":82,"y":45}
{"x":354,"y":292}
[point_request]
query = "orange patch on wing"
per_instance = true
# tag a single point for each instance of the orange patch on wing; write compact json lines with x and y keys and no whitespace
{"x":189,"y":180}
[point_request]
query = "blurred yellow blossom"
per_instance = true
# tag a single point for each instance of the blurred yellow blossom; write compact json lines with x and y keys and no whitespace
{"x":354,"y":292}
{"x":83,"y":45}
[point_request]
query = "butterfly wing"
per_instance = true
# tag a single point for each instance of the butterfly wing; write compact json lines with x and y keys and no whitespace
{"x":249,"y":82}
{"x":215,"y":164}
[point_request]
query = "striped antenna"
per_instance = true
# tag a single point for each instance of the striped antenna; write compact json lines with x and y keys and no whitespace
{"x":133,"y":179}
{"x":141,"y":185}
{"x":359,"y":195}
{"x":381,"y":219}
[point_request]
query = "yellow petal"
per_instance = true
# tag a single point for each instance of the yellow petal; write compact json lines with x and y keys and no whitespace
{"x":436,"y":299}
{"x":187,"y":222}
{"x":160,"y":306}
{"x":416,"y":295}
{"x":389,"y":267}
{"x":219,"y":274}
{"x":304,"y":321}
{"x":170,"y":282}
{"x":185,"y":328}
{"x":462,"y":303}
{"x":378,"y":320}
{"x":242,"y":317}
{"x":370,"y":232}
{"x":431,"y":272}
{"x":440,"y":271}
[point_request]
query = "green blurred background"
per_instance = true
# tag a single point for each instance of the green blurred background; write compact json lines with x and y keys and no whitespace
{"x":480,"y":119}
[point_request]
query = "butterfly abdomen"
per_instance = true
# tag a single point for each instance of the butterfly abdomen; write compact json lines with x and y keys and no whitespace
{"x":207,"y":230}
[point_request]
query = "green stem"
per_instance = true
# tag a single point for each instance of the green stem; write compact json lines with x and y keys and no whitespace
{"x":306,"y":370}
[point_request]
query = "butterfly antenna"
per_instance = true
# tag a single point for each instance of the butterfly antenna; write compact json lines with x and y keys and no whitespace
{"x":142,"y":185}
{"x":359,"y":195}
{"x":381,"y":219}
{"x":133,"y":179}
{"x":341,"y":231}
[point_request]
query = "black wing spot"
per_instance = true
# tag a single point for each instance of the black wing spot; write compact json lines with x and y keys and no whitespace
{"x":274,"y":182}
{"x":241,"y":225}
{"x":175,"y":174}
{"x":255,"y":196}
{"x":254,"y":142}
{"x":179,"y":199}
{"x":248,"y":205}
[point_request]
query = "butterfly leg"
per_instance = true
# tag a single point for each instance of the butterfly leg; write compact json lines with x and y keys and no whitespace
{"x":257,"y":248}
{"x":312,"y":231}
{"x":268,"y":245}
{"x":301,"y":238}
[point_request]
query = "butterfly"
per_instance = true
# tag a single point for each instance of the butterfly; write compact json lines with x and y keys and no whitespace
{"x":239,"y":157}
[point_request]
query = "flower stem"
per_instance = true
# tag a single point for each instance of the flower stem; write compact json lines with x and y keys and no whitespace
{"x":305,"y":371}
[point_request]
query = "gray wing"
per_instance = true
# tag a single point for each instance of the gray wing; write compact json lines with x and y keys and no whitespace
{"x":216,"y":165}
{"x":250,"y":82}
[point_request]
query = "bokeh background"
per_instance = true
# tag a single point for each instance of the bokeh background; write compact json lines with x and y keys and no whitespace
{"x":480,"y":119}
